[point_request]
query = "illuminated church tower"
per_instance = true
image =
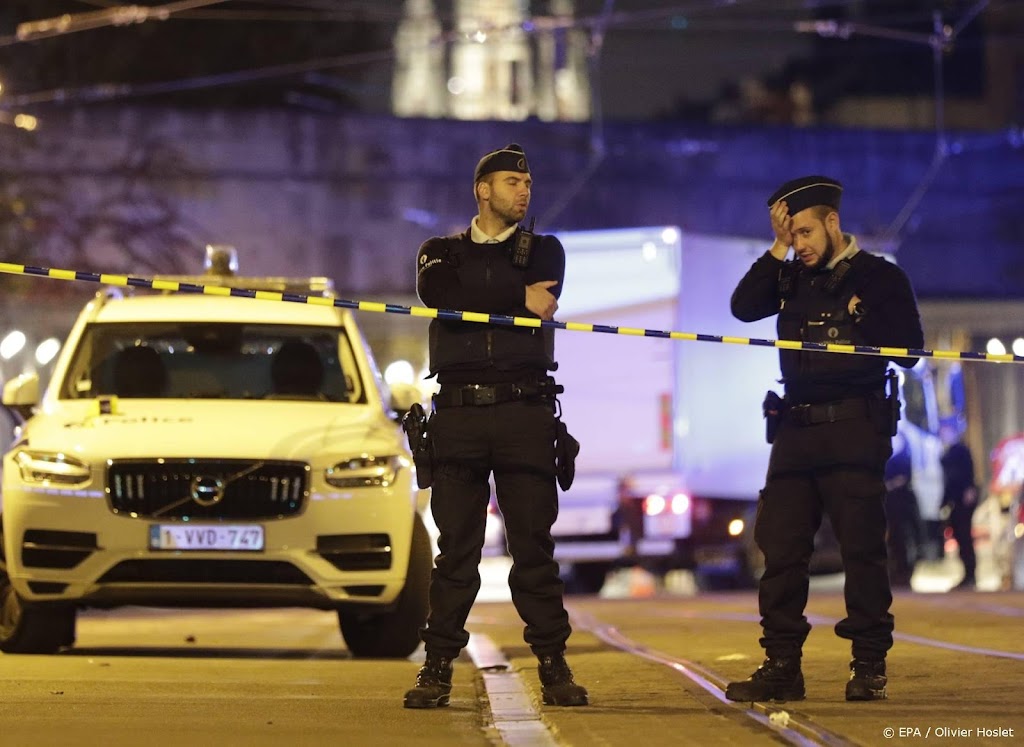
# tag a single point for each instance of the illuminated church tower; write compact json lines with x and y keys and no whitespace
{"x":418,"y":86}
{"x":563,"y":79}
{"x":491,"y":72}
{"x":491,"y":62}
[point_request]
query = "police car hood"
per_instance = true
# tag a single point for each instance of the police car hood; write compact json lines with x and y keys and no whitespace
{"x":262,"y":429}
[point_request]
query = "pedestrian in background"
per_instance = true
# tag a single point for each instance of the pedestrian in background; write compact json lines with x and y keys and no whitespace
{"x":495,"y":413}
{"x":903,"y":514}
{"x":959,"y":498}
{"x":831,"y":434}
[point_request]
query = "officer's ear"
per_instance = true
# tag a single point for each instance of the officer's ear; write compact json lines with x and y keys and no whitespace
{"x":482,"y":190}
{"x":832,"y":221}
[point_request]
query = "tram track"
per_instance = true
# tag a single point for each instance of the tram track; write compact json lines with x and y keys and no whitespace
{"x":673,"y":659}
{"x":709,"y":688}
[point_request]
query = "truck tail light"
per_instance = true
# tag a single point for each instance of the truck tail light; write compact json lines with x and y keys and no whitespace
{"x":680,"y":504}
{"x":656,"y":504}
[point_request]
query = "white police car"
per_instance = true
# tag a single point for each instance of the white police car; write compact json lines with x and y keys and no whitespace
{"x":199,"y":450}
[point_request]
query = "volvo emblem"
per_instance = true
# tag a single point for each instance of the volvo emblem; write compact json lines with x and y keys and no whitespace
{"x":207,"y":490}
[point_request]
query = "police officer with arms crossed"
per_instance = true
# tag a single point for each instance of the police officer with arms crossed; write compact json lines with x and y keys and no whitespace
{"x":830,"y":435}
{"x":494,"y":412}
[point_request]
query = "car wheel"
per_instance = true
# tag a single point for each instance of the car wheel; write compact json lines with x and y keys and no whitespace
{"x":395,"y":634}
{"x":744,"y":573}
{"x":30,"y":629}
{"x":586,"y":578}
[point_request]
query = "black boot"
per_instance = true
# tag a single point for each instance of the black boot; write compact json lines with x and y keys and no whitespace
{"x":778,"y":678}
{"x":433,"y":684}
{"x":556,"y":682}
{"x":867,"y":680}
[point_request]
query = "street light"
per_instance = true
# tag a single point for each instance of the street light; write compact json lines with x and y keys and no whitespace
{"x":47,"y":350}
{"x":21,"y":121}
{"x":25,"y":122}
{"x":399,"y":372}
{"x":995,"y":346}
{"x":12,"y":344}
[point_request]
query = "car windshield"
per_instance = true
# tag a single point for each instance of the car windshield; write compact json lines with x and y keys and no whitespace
{"x":195,"y":360}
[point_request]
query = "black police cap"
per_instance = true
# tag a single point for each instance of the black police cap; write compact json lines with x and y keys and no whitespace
{"x":808,"y":191}
{"x":509,"y":158}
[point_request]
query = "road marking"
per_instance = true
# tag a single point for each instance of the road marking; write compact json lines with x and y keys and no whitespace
{"x":513,"y":712}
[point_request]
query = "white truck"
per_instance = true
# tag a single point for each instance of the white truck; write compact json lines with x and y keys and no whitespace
{"x":673,"y":452}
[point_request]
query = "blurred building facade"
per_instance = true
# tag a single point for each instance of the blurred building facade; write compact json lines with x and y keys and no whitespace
{"x":141,"y":191}
{"x":498,"y":62}
{"x":920,"y":65}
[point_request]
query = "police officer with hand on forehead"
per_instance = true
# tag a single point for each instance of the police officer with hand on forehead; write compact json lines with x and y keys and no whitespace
{"x":495,"y":414}
{"x":831,"y":433}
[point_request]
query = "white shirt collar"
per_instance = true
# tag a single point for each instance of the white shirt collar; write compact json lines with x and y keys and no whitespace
{"x":479,"y":237}
{"x":849,"y":251}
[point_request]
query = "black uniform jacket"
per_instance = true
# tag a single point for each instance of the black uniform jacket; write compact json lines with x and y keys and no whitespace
{"x":810,"y":311}
{"x":455,"y":273}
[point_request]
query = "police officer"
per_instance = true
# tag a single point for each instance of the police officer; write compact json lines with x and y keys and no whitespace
{"x":494,"y":413}
{"x":833,"y":436}
{"x":959,"y":497}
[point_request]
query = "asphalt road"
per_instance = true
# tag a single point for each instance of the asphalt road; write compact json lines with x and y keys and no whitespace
{"x":654,"y":661}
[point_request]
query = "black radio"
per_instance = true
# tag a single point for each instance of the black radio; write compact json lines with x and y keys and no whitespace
{"x":522,"y":245}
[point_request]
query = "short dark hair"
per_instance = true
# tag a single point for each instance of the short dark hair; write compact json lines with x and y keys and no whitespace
{"x":485,"y":179}
{"x":821,"y":212}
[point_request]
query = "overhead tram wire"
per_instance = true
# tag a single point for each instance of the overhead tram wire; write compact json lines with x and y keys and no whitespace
{"x":112,"y":91}
{"x":117,"y":15}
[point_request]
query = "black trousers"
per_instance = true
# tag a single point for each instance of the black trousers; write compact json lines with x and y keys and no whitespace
{"x":515,"y":442}
{"x":961,"y":519}
{"x":836,"y":468}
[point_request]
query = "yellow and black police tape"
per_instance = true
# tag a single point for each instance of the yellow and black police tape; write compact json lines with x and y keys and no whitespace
{"x":472,"y":316}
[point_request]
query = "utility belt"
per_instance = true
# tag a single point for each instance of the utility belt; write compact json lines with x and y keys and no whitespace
{"x":477,"y":395}
{"x":417,"y":423}
{"x":829,"y":412}
{"x":884,"y":411}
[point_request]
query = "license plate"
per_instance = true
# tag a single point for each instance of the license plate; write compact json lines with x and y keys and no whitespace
{"x":667,"y":525}
{"x":582,"y":521}
{"x":234,"y":537}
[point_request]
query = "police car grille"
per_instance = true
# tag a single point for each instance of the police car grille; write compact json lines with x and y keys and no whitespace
{"x":223,"y":488}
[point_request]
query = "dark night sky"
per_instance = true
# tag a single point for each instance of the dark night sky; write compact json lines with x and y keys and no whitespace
{"x":659,"y":57}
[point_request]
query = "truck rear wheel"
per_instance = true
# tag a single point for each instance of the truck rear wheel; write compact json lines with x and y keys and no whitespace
{"x":394,"y":634}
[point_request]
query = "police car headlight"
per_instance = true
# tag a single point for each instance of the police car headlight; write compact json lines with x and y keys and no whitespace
{"x":364,"y":472}
{"x":51,"y":468}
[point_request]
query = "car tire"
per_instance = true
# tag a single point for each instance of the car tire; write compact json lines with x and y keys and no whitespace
{"x":586,"y":578}
{"x":31,"y":629}
{"x":747,"y":569}
{"x":396,"y":633}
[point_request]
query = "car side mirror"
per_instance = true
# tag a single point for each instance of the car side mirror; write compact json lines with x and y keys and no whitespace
{"x":21,"y":394}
